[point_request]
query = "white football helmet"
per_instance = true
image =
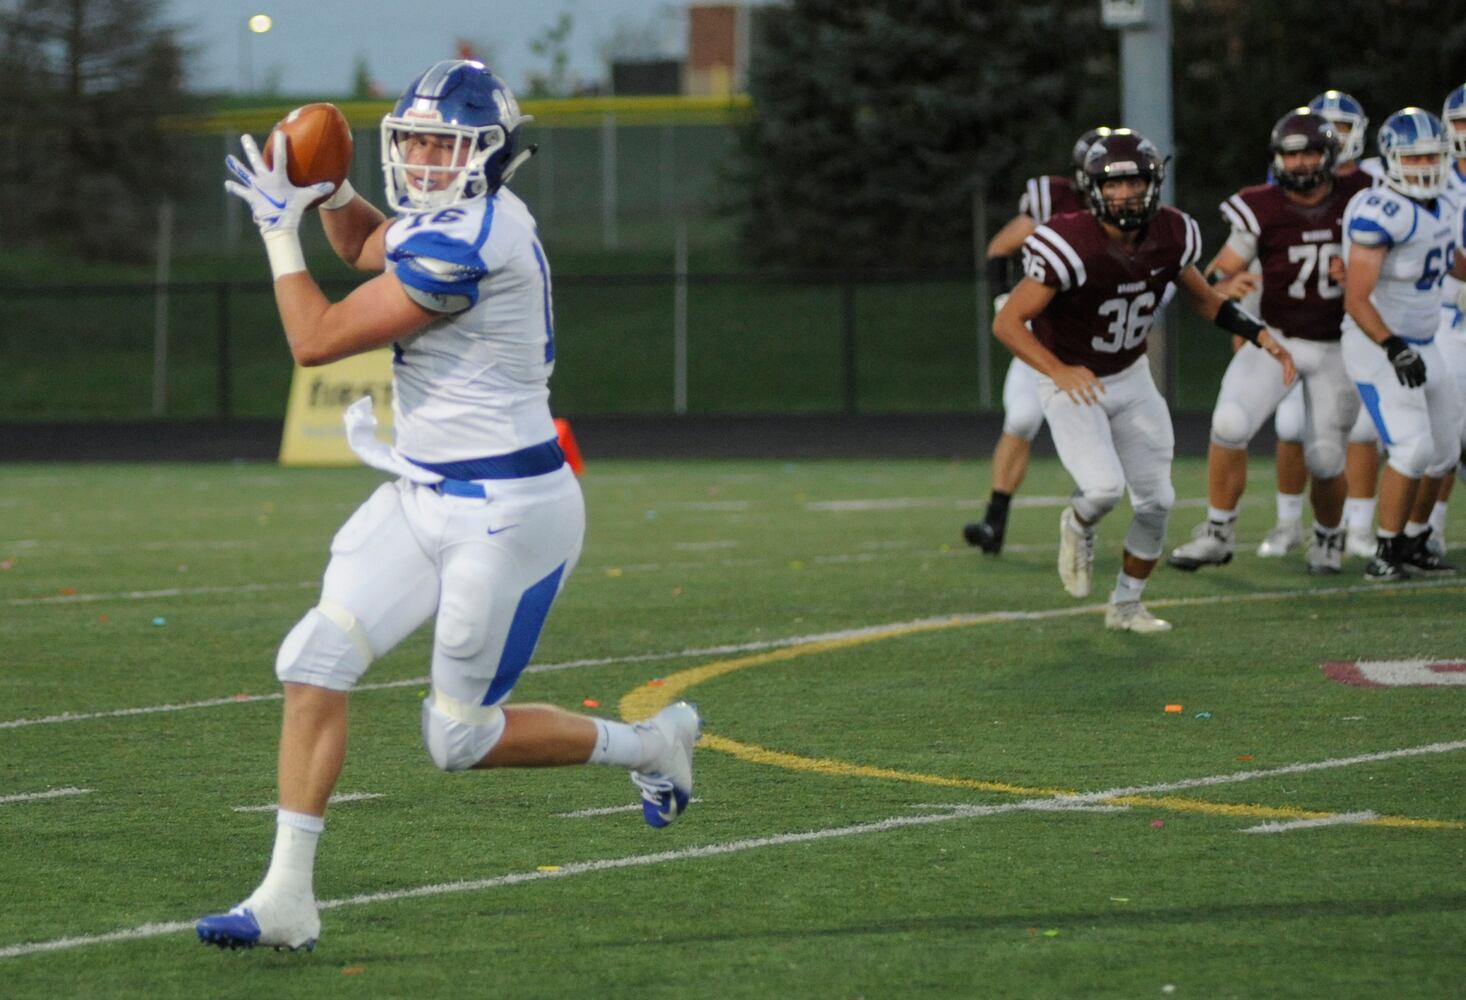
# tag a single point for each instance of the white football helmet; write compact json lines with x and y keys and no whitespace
{"x":1453,"y":113}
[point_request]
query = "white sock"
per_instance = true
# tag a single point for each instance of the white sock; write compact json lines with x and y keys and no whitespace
{"x":1438,"y":519}
{"x":617,"y":744}
{"x":1220,"y":516}
{"x":1127,"y":589}
{"x":293,"y":865}
{"x":1359,"y":514}
{"x":1326,"y":532}
{"x":1414,"y":529}
{"x":1290,"y":507}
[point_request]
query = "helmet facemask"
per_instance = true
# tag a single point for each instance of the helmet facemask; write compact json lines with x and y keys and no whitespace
{"x":431,"y":186}
{"x":1124,"y":154}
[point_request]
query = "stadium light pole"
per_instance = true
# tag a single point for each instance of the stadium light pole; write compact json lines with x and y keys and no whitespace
{"x":1145,"y":106}
{"x":256,"y":24}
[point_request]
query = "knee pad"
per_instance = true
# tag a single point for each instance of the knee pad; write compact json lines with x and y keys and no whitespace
{"x":458,"y":734}
{"x":1412,"y":458}
{"x":1325,"y":459}
{"x":1023,"y":416}
{"x":1095,"y":504}
{"x":1147,"y":535}
{"x":328,"y":648}
{"x":1230,"y":426}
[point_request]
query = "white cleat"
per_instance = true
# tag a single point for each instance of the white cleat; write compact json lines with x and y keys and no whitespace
{"x":666,"y":781}
{"x":1284,"y":538}
{"x":1132,"y":616}
{"x":264,"y":921}
{"x":1360,"y":543}
{"x":1436,"y":545}
{"x":1076,"y":554}
{"x":1210,"y":545}
{"x":1326,"y":552}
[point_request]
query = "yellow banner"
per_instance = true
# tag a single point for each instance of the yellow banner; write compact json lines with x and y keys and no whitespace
{"x":314,"y":434}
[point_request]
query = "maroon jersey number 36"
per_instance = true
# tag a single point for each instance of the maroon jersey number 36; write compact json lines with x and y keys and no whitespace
{"x":1108,"y":291}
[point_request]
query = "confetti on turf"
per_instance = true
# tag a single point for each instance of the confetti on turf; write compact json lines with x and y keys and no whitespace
{"x":242,"y":696}
{"x":68,"y":591}
{"x":591,"y":703}
{"x":655,"y":682}
{"x":1156,"y":824}
{"x":1119,"y":899}
{"x":103,"y":619}
{"x":353,"y":970}
{"x":1173,"y":709}
{"x":1051,"y":933}
{"x":1203,"y":715}
{"x":1244,"y":756}
{"x":614,"y":571}
{"x":548,"y":868}
{"x":160,"y":621}
{"x":796,"y":564}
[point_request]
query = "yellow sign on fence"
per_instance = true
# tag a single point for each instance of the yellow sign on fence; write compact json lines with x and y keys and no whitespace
{"x":314,"y":434}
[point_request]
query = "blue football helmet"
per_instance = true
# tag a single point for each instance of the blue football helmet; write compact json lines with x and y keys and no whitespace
{"x":1124,"y":153}
{"x":1453,"y":116}
{"x":459,"y":105}
{"x":1347,"y":117}
{"x":1413,"y":132}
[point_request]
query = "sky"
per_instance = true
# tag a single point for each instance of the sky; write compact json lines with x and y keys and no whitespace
{"x":314,"y":45}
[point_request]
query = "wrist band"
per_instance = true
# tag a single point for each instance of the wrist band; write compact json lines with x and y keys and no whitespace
{"x":283,"y":250}
{"x":341,"y":197}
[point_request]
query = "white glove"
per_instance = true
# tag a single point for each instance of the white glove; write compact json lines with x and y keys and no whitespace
{"x":999,"y":301}
{"x":276,"y":204}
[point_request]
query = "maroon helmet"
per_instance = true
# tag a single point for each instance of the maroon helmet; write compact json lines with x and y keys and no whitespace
{"x":1299,"y":130}
{"x":1124,"y":153}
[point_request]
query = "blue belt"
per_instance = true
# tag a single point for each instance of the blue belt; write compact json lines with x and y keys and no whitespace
{"x":458,"y":477}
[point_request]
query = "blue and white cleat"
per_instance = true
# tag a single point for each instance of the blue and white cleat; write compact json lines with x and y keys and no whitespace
{"x":666,"y":784}
{"x":292,"y":927}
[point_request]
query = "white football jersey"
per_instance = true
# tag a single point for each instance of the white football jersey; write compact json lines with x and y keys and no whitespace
{"x":474,"y":383}
{"x":1420,"y":243}
{"x":1451,"y":287}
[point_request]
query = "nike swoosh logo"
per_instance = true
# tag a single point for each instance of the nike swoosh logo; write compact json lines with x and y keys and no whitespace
{"x":495,"y":531}
{"x":272,"y":201}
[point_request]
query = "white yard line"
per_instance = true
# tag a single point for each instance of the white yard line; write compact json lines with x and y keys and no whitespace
{"x":333,"y":800}
{"x":1085,"y":802}
{"x":974,"y":618}
{"x":1339,"y":819}
{"x":148,"y":595}
{"x":55,"y":793}
{"x":607,"y":811}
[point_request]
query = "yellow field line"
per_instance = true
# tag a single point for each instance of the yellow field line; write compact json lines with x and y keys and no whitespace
{"x":648,"y":699}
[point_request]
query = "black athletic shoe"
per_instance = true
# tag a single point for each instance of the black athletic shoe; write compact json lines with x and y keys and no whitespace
{"x":1386,"y":566}
{"x":1418,"y":560}
{"x":985,"y":536}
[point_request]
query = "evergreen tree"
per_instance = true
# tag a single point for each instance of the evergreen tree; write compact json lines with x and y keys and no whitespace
{"x":876,"y":120}
{"x":84,"y":83}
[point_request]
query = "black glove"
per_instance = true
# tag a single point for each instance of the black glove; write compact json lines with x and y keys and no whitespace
{"x":1409,"y":367}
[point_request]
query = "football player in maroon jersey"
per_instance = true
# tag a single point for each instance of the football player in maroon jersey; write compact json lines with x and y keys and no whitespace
{"x":1293,"y":227}
{"x":1043,"y":198}
{"x":1093,"y":281}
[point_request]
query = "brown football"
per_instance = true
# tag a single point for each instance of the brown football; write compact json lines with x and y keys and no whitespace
{"x":317,"y":145}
